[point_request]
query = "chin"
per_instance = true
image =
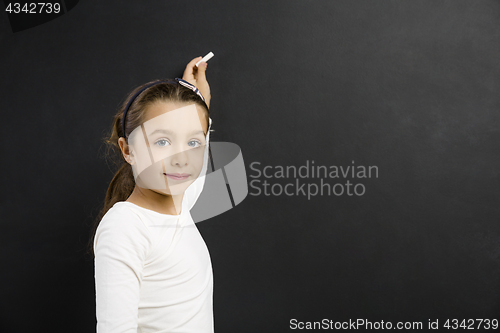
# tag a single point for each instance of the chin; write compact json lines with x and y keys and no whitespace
{"x":176,"y":189}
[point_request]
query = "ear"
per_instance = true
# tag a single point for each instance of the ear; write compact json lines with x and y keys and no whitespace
{"x":124,"y":147}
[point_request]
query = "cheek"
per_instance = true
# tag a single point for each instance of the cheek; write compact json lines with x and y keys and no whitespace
{"x":152,"y":177}
{"x":197,"y":161}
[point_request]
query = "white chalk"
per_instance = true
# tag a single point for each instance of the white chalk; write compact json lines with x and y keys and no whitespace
{"x":205,"y":58}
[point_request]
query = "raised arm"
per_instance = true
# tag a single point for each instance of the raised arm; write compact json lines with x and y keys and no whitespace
{"x":196,"y":76}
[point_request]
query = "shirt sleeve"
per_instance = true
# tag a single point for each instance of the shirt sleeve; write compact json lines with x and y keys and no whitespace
{"x":121,"y":245}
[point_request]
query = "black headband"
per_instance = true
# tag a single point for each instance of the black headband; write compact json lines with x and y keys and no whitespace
{"x":175,"y":81}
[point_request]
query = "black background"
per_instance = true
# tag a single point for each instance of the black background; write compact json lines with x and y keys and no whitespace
{"x":409,"y":86}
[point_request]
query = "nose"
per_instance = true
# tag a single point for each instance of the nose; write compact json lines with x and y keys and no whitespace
{"x":180,"y":157}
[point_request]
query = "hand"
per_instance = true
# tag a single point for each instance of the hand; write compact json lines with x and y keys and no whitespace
{"x":196,"y":76}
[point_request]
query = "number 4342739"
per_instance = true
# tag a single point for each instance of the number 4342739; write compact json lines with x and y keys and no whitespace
{"x":471,"y":324}
{"x":33,"y":8}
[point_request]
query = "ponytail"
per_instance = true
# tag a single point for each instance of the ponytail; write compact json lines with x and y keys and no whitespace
{"x":120,"y":187}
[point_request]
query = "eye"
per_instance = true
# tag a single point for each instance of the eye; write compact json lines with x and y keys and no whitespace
{"x":162,"y":143}
{"x":196,"y":143}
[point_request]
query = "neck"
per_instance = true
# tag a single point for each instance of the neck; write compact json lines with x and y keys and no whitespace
{"x":158,"y":202}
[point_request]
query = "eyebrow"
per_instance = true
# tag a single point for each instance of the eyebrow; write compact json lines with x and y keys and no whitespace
{"x":165,"y":131}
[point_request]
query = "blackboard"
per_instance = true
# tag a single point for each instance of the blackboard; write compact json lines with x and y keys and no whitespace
{"x":409,"y":88}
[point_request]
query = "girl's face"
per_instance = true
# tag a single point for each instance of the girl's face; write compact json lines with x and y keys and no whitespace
{"x":167,"y":150}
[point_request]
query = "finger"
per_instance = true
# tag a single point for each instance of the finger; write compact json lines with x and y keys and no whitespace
{"x":190,"y":67}
{"x":201,"y":82}
{"x":201,"y":77}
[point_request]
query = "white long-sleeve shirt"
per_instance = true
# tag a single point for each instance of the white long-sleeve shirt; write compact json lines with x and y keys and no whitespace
{"x":153,"y":271}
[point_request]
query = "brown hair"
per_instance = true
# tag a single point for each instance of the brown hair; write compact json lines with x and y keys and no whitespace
{"x":123,"y":182}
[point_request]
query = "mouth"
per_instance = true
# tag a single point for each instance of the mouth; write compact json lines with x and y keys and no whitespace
{"x":177,"y":176}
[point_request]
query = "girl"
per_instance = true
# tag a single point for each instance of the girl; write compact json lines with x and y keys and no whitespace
{"x":153,"y":271}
